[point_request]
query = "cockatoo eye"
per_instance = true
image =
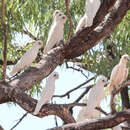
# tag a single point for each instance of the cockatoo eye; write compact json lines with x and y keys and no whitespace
{"x":54,"y":75}
{"x":57,"y":12}
{"x":39,"y":43}
{"x":63,"y":17}
{"x":60,"y":14}
{"x":103,"y":80}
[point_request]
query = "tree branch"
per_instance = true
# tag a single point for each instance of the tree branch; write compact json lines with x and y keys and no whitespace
{"x":101,"y":110}
{"x":101,"y":123}
{"x":70,"y":91}
{"x":28,"y":104}
{"x":19,"y":121}
{"x":70,"y":21}
{"x":1,"y":128}
{"x":5,"y":29}
{"x":30,"y":34}
{"x":76,"y":47}
{"x":79,"y":70}
{"x":115,"y":92}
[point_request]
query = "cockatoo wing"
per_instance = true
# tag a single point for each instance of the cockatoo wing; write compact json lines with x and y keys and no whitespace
{"x":126,"y":74}
{"x":46,"y":94}
{"x":92,"y":7}
{"x":82,"y":23}
{"x":113,"y":77}
{"x":117,"y":128}
{"x":43,"y":100}
{"x":25,"y":61}
{"x":94,"y":99}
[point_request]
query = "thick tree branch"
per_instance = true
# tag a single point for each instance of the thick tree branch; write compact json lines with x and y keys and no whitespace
{"x":101,"y":123}
{"x":76,"y":47}
{"x":125,"y":102}
{"x":27,"y":103}
{"x":88,"y":39}
{"x":115,"y":92}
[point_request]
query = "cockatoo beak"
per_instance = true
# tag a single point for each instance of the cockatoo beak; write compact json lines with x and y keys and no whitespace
{"x":105,"y":85}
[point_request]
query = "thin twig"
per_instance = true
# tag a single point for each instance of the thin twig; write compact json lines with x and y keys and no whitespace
{"x":19,"y":121}
{"x":55,"y":118}
{"x":79,"y":70}
{"x":30,"y":34}
{"x":80,"y":97}
{"x":8,"y":62}
{"x":79,"y":86}
{"x":5,"y":28}
{"x":70,"y":21}
{"x":75,"y":104}
{"x":101,"y":110}
{"x":83,"y":94}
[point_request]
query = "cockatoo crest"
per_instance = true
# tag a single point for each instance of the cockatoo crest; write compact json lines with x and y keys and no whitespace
{"x":102,"y":80}
{"x":59,"y":16}
{"x":125,"y":58}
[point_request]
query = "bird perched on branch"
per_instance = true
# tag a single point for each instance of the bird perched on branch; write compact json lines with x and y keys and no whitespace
{"x":91,"y":9}
{"x":119,"y":73}
{"x":57,"y":30}
{"x":94,"y":99}
{"x":117,"y":128}
{"x":27,"y":58}
{"x":47,"y":92}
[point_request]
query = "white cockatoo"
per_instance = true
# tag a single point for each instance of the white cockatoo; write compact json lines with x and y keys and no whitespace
{"x":91,"y":9}
{"x":94,"y":99}
{"x":57,"y":30}
{"x":119,"y":73}
{"x":117,"y":128}
{"x":27,"y":58}
{"x":47,"y":92}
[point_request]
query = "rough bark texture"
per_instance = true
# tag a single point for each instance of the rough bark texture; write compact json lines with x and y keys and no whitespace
{"x":77,"y":46}
{"x":125,"y":102}
{"x":83,"y":41}
{"x":29,"y":104}
{"x":102,"y":123}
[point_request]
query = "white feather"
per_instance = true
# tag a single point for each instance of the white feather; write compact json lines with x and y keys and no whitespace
{"x":47,"y":92}
{"x":91,"y":9}
{"x":27,"y":58}
{"x":94,"y":99}
{"x":56,"y":31}
{"x":117,"y":128}
{"x":119,"y":73}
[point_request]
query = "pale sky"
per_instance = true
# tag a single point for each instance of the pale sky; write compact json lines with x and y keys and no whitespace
{"x":68,"y":79}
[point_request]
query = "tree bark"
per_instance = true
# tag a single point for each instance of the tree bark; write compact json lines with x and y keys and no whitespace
{"x":77,"y":46}
{"x":125,"y":103}
{"x":101,"y":123}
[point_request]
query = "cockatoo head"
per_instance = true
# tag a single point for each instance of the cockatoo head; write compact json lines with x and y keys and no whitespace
{"x":55,"y":75}
{"x":38,"y":44}
{"x":102,"y":81}
{"x":125,"y":58}
{"x":59,"y":16}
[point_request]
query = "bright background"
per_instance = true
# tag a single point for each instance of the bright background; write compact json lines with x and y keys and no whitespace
{"x":68,"y":79}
